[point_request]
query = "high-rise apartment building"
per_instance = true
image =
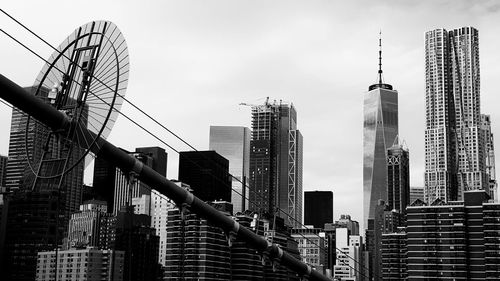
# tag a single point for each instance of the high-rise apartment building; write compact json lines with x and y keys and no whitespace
{"x":85,"y":226}
{"x":233,"y":143}
{"x":17,"y":162}
{"x":490,"y":155}
{"x":398,"y":178}
{"x":207,"y":173}
{"x":380,"y":129}
{"x":454,"y":142}
{"x":394,"y":256}
{"x":276,"y":162}
{"x":318,"y":208}
{"x":89,"y":264}
{"x":349,"y":262}
{"x":196,"y":249}
{"x":457,"y":240}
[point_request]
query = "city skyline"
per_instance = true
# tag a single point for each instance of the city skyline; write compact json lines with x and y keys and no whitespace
{"x":299,"y":53}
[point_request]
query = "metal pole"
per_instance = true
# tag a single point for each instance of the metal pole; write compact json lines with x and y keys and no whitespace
{"x":60,"y":123}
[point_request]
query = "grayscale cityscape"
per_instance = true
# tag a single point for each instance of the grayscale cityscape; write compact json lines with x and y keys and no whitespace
{"x":249,"y":140}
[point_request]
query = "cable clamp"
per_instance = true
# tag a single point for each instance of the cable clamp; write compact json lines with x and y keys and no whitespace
{"x":307,"y":275}
{"x":277,"y":260}
{"x":186,"y":205}
{"x":138,"y":166}
{"x":266,"y":253}
{"x":231,"y":234}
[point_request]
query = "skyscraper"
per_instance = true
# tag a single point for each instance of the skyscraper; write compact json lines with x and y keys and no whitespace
{"x":233,"y":143}
{"x":207,"y":173}
{"x":153,"y":157}
{"x":398,"y":178}
{"x":318,"y":208}
{"x":454,"y":143}
{"x":490,"y":155}
{"x":379,"y":132}
{"x":16,"y":164}
{"x":276,"y":162}
{"x":41,"y":205}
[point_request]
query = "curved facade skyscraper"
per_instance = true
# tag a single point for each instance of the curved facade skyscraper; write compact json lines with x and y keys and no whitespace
{"x":454,"y":142}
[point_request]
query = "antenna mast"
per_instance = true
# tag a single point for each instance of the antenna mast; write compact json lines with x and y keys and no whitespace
{"x":380,"y":58}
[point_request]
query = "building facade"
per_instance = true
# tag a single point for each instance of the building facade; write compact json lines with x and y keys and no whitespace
{"x":457,"y":240}
{"x":318,"y":208}
{"x":276,"y":162}
{"x":195,"y":249}
{"x":454,"y":142}
{"x":233,"y":143}
{"x":416,"y":192}
{"x":313,"y":247}
{"x":85,"y":226}
{"x":394,"y":256}
{"x":90,"y":264}
{"x":349,"y":256}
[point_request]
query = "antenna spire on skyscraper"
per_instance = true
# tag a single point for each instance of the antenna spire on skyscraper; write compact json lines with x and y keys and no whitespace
{"x":380,"y":58}
{"x":380,"y":84}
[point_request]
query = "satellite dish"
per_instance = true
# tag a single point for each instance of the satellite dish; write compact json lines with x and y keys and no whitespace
{"x":86,"y":78}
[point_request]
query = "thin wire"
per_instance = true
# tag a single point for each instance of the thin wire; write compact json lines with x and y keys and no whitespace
{"x":155,"y":121}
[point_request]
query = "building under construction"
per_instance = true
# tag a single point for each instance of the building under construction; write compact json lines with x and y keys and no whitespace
{"x":276,"y":162}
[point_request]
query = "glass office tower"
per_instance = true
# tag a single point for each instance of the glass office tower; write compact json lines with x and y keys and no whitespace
{"x":380,"y":129}
{"x":233,"y":143}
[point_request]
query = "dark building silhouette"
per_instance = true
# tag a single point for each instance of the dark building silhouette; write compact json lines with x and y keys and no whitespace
{"x":40,"y":206}
{"x":385,"y":221}
{"x":394,"y":256}
{"x":276,"y":162}
{"x":398,"y":178}
{"x":3,"y":169}
{"x":33,"y":224}
{"x":136,"y":237}
{"x":103,"y":182}
{"x":159,"y":158}
{"x":318,"y":208}
{"x":207,"y":173}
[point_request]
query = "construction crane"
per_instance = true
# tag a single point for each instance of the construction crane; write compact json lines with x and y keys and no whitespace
{"x":249,"y":104}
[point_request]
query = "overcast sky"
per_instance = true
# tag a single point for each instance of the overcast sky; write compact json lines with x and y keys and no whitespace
{"x":193,"y":62}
